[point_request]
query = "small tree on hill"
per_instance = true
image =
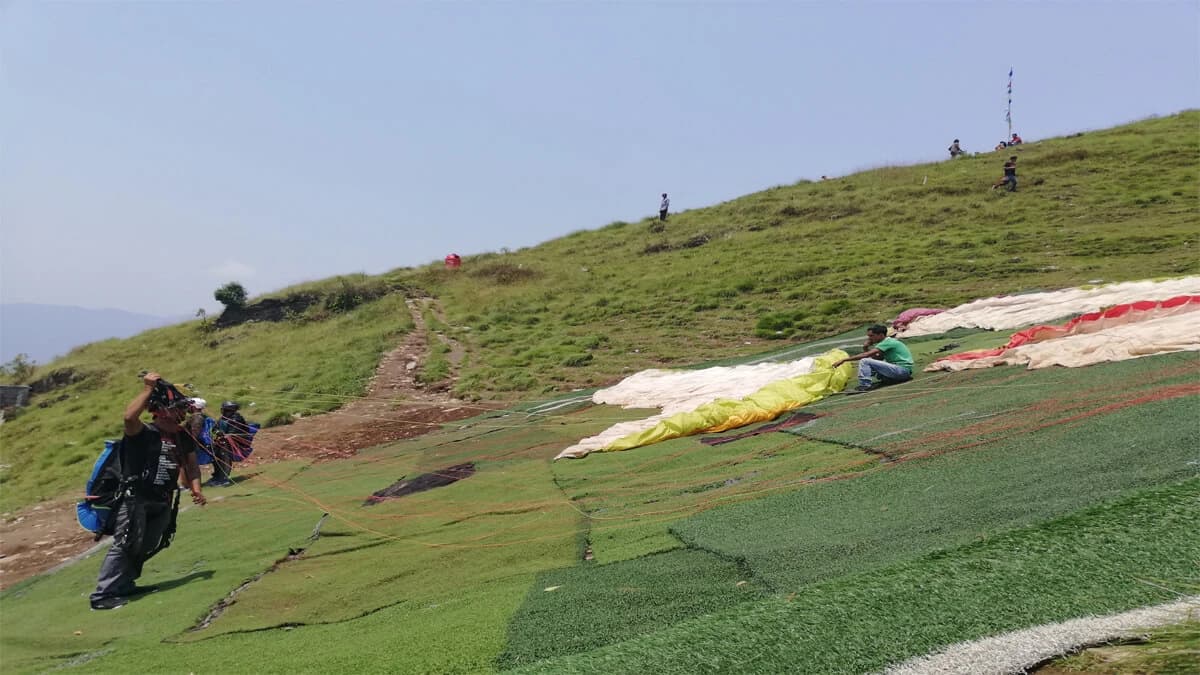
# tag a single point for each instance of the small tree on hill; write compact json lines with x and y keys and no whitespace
{"x":232,"y":295}
{"x":19,"y":369}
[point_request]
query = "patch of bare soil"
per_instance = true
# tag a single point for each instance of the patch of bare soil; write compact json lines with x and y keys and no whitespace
{"x":39,"y":538}
{"x":395,"y":407}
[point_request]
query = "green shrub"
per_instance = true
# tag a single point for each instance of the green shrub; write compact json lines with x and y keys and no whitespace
{"x":19,"y":369}
{"x":232,"y":295}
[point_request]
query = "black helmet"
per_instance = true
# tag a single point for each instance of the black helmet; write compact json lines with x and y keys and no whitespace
{"x":229,"y":405}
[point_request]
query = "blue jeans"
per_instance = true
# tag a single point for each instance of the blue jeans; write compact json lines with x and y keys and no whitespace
{"x":868,"y":368}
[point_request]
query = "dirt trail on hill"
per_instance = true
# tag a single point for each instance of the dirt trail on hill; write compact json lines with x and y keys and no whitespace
{"x":396,"y":406}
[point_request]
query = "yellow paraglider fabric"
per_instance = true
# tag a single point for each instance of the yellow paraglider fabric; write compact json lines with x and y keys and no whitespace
{"x":765,"y":404}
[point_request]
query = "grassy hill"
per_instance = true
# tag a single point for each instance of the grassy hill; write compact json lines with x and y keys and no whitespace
{"x":812,"y":259}
{"x":1009,"y":498}
{"x":789,"y":263}
{"x":309,"y":363}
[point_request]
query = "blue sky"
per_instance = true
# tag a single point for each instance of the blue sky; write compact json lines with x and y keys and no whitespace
{"x":150,"y":152}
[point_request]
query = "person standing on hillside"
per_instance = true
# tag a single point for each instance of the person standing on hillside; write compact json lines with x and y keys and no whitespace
{"x":157,"y":459}
{"x":663,"y":208}
{"x":199,"y":426}
{"x":229,"y":445}
{"x":955,"y":149}
{"x":882,"y":356}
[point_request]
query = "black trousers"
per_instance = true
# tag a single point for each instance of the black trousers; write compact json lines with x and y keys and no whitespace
{"x":222,"y":462}
{"x":140,"y":527}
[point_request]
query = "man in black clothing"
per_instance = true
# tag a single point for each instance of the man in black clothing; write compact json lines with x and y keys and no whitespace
{"x":1010,"y":173}
{"x":229,"y":445}
{"x":154,"y":455}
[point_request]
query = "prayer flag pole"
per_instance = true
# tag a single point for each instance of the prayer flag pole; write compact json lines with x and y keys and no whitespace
{"x":1008,"y":110}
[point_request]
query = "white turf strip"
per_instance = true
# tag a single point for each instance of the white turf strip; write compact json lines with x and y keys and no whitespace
{"x":1017,"y":651}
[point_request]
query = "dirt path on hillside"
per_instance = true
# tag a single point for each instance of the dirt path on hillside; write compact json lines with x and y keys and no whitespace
{"x":396,"y":406}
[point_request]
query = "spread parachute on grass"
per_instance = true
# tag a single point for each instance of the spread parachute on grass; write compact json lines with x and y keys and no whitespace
{"x":1126,"y":331}
{"x":1014,"y":311}
{"x":712,"y":399}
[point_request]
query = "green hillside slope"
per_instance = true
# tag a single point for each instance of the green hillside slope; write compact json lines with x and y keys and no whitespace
{"x":788,"y":263}
{"x":814,"y":259}
{"x":307,"y":364}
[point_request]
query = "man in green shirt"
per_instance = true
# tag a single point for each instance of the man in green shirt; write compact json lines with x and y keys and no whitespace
{"x":882,"y":356}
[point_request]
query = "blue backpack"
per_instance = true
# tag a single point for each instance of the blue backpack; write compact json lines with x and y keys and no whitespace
{"x":106,"y":488}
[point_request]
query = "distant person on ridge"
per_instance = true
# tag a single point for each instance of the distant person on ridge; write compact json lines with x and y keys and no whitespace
{"x":882,"y":356}
{"x":955,"y":149}
{"x":664,"y":207}
{"x":1016,"y":140}
{"x":1001,"y":146}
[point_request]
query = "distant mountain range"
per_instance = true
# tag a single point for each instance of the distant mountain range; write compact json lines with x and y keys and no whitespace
{"x":46,"y":331}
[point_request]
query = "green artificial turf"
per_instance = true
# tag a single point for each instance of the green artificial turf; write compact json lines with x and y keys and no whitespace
{"x":882,"y":517}
{"x":447,"y":566}
{"x":1107,"y":558}
{"x":581,"y":608}
{"x":796,"y":529}
{"x":632,"y":497}
{"x":945,"y":412}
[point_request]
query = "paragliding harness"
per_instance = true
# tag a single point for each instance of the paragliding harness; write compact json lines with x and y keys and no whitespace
{"x":115,"y":478}
{"x":108,"y":488}
{"x":235,"y":438}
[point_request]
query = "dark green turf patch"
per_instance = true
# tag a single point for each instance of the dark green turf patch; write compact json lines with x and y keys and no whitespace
{"x":825,"y":531}
{"x":945,"y":412}
{"x":594,"y":605}
{"x":631,"y":497}
{"x":1105,"y":559}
